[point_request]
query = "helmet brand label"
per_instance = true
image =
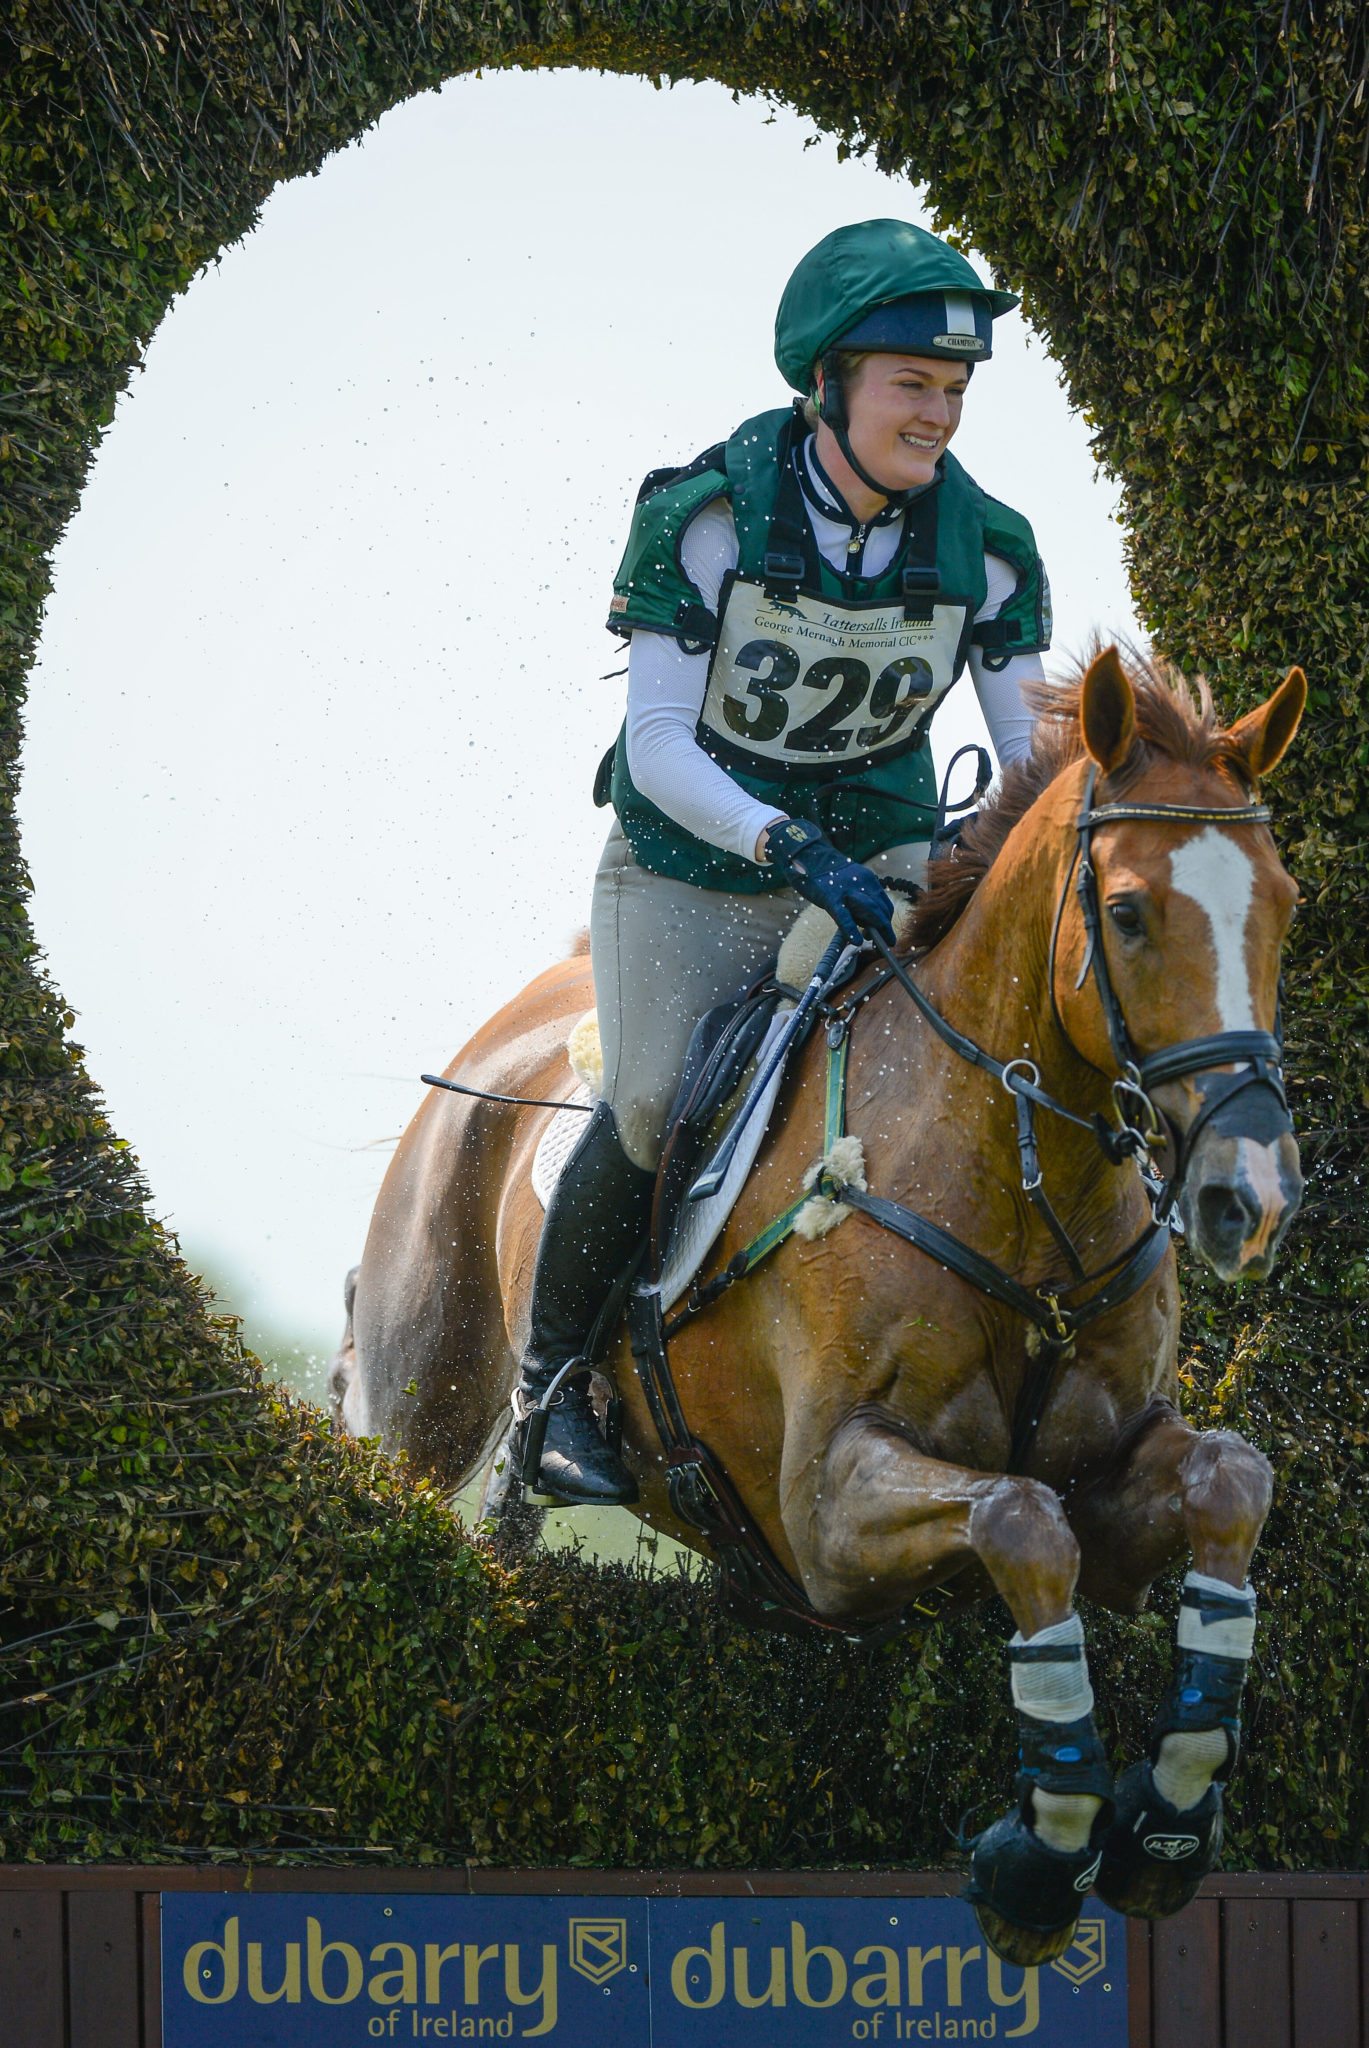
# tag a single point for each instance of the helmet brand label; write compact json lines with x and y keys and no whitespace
{"x":962,"y":344}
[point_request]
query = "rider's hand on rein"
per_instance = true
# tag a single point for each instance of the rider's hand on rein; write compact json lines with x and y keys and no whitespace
{"x":850,"y":893}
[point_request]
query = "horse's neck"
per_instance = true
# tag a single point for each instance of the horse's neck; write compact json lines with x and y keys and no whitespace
{"x":990,"y":975}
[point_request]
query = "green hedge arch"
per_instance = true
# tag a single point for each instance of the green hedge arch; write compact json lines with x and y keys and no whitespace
{"x":224,"y":1634}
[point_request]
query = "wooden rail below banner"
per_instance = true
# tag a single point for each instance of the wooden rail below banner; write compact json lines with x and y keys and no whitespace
{"x":1257,"y":1961}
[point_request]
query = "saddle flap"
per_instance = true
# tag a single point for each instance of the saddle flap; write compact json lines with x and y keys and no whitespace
{"x":726,"y":1040}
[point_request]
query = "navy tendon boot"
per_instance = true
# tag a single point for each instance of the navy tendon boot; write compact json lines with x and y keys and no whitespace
{"x":1166,"y":1834}
{"x":594,"y":1227}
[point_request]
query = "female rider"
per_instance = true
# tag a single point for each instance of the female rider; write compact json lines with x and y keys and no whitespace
{"x":797,"y":601}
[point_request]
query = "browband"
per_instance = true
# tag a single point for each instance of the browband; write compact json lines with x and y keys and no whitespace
{"x":1112,"y":814}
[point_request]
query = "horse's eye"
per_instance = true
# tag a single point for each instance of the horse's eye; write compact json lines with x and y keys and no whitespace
{"x":1127,"y":919}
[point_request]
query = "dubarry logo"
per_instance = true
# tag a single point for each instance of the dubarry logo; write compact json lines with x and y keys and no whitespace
{"x":1086,"y":1955}
{"x":1169,"y":1848}
{"x":871,"y":1978}
{"x":389,"y":1974}
{"x":598,"y":1948}
{"x":590,"y":1970}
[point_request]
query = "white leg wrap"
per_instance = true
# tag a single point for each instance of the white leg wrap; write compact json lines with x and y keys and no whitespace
{"x":1054,"y":1689}
{"x":1220,"y":1635}
{"x":1189,"y":1760}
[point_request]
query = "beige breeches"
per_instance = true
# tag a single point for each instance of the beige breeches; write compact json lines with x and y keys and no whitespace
{"x":663,"y":952}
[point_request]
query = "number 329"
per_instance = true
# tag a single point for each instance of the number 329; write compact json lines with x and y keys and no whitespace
{"x":767,"y":706}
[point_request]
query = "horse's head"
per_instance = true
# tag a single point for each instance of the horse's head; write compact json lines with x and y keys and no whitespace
{"x":1168,"y":961}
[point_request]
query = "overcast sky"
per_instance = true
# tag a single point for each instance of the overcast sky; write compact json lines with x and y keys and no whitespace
{"x":320,"y":696}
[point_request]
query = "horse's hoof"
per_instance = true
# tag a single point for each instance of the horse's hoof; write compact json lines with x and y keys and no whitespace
{"x":1154,"y":1856}
{"x":1023,"y":1947}
{"x":1026,"y":1895}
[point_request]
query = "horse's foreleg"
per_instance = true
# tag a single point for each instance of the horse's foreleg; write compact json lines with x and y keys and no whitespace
{"x":881,"y":1521}
{"x":1174,"y":1490}
{"x":872,"y":1521}
{"x":1207,"y":1492}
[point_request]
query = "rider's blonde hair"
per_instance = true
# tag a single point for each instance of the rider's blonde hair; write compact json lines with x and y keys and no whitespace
{"x":847,"y":364}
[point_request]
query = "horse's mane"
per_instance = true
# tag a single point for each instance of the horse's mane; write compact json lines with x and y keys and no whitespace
{"x":1175,"y":716}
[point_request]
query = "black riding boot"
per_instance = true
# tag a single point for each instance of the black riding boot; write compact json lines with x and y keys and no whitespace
{"x":594,"y":1225}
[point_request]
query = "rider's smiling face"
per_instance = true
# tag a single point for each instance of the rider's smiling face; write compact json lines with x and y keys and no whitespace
{"x":903,"y":411}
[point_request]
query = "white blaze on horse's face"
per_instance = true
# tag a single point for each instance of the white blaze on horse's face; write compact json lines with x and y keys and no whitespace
{"x":1243,"y":1183}
{"x":1216,"y":873}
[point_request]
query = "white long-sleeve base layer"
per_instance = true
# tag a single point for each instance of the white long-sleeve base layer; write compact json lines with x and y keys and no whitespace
{"x":666,"y":686}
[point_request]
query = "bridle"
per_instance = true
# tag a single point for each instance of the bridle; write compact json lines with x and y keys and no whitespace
{"x":1258,"y":1055}
{"x":1141,"y":1126}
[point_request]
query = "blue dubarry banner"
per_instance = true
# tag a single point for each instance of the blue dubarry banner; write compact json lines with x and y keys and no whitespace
{"x":339,"y":1970}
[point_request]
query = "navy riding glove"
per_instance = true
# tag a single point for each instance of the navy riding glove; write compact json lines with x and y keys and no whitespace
{"x":850,"y":894}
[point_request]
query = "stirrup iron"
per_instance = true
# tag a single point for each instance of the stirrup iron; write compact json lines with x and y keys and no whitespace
{"x":530,"y":1419}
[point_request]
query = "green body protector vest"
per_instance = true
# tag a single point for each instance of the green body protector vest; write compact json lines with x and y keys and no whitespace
{"x":821,"y":686}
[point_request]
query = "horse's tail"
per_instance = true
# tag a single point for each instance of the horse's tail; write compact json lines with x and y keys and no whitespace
{"x":342,"y":1372}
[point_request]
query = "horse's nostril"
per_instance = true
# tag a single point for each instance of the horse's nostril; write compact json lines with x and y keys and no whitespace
{"x":1225,"y":1212}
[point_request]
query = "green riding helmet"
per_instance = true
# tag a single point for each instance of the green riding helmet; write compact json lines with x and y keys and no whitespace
{"x":885,"y":285}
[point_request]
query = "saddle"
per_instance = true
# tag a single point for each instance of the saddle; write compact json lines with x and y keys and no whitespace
{"x":725,"y":1045}
{"x":726,"y":1040}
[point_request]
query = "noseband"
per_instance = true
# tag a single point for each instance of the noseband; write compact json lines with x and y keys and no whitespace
{"x":1260,"y":1053}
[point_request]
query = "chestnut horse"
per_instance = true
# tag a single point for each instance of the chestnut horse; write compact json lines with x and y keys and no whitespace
{"x":863,"y":1395}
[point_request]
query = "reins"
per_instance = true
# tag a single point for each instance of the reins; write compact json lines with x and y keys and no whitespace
{"x":1022,"y":1080}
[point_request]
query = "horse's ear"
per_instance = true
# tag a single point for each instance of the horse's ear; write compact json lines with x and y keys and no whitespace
{"x":1107,"y":711}
{"x":1264,"y":736}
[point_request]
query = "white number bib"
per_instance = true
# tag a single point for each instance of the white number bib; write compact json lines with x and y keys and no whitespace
{"x":819,"y":686}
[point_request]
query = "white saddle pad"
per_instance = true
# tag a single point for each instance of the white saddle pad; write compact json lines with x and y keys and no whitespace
{"x":557,"y":1142}
{"x":700,"y":1223}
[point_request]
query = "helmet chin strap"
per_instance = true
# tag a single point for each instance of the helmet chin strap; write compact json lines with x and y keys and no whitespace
{"x":853,"y":461}
{"x":831,"y":399}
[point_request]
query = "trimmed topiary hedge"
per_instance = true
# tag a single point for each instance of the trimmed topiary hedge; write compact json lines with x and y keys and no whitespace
{"x":224,"y":1633}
